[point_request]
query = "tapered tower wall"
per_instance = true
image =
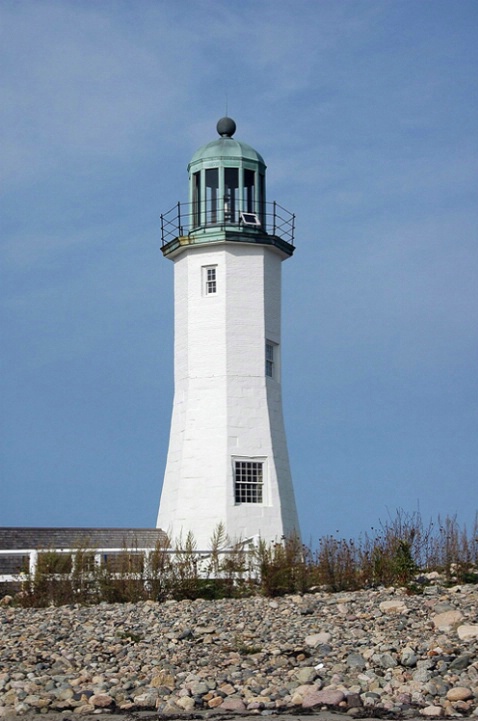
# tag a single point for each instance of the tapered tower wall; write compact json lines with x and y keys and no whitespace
{"x":227,"y":460}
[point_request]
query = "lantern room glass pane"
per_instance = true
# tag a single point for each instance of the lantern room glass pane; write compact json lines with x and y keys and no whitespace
{"x":262,"y":199}
{"x":196,"y":200}
{"x":231,"y":194}
{"x":212,"y":187}
{"x":248,"y":204}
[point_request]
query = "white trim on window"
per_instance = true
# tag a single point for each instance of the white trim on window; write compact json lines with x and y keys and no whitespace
{"x":209,"y":279}
{"x":249,"y":480}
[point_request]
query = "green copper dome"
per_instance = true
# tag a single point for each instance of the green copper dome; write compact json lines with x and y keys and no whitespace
{"x":226,"y":147}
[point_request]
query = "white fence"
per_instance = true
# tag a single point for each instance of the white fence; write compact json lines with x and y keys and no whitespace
{"x":101,"y":556}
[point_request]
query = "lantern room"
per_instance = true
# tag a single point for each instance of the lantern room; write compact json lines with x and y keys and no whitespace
{"x":227,"y":182}
{"x":227,"y":200}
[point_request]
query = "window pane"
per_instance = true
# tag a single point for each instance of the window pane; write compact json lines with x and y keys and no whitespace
{"x":196,"y":200}
{"x":212,"y":186}
{"x":248,"y":481}
{"x":248,"y":204}
{"x":210,"y":282}
{"x":231,"y":194}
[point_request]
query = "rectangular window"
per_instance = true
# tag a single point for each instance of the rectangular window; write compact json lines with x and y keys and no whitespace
{"x":209,"y":279}
{"x":248,"y":481}
{"x":269,"y":359}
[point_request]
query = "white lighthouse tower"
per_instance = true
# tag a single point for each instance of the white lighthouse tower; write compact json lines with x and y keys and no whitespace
{"x":227,"y":459}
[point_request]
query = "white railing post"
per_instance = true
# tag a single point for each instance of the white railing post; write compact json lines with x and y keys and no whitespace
{"x":32,"y":563}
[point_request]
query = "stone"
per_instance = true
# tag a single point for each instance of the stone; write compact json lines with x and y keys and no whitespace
{"x":145,"y":700}
{"x":356,"y":660}
{"x":386,"y":660}
{"x":101,"y":700}
{"x":393,"y":606}
{"x":467,"y":632}
{"x":459,"y":693}
{"x":317,"y":638}
{"x":432,"y":711}
{"x":353,"y":700}
{"x":186,"y":703}
{"x":163,"y":679}
{"x":326,"y":697}
{"x":408,"y":657}
{"x":437,"y":686}
{"x":462,"y":661}
{"x":448,"y":620}
{"x":233,"y":704}
{"x":305,"y":675}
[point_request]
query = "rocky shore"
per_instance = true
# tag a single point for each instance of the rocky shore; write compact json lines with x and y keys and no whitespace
{"x":365,"y":653}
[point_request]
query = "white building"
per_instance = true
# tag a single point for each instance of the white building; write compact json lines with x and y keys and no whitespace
{"x":227,"y":459}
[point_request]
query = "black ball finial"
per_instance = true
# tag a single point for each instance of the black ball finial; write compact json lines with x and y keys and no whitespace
{"x":226,"y":127}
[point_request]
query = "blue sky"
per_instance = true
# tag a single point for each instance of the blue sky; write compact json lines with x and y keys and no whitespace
{"x":367,"y":116}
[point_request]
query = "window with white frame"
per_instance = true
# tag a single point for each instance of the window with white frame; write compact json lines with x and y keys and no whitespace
{"x":210,"y":279}
{"x":248,"y":481}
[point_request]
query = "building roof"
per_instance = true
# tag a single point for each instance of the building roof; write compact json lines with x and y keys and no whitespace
{"x":18,"y":538}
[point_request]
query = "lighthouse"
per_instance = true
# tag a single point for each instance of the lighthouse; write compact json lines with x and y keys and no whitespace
{"x":227,"y":460}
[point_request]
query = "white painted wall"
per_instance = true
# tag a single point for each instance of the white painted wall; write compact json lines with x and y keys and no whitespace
{"x":224,"y":406}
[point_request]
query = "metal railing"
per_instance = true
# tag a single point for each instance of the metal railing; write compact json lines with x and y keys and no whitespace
{"x":182,"y":219}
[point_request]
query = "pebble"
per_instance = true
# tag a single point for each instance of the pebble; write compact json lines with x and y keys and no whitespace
{"x":368,"y":652}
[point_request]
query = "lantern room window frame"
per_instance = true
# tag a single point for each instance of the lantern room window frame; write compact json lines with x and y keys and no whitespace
{"x":220,"y":194}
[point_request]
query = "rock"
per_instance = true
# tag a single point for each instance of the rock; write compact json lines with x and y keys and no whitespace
{"x":432,"y":711}
{"x":461,"y":662}
{"x":305,"y":675}
{"x":233,"y":704}
{"x":394,"y":606}
{"x":356,"y":660}
{"x":145,"y":700}
{"x":387,"y":661}
{"x":163,"y":679}
{"x":447,"y":621}
{"x":459,"y":693}
{"x":467,"y":632}
{"x":353,"y":700}
{"x":437,"y":687}
{"x":169,"y":709}
{"x":186,"y":703}
{"x":317,"y":638}
{"x":326,"y":697}
{"x":408,"y":657}
{"x":101,"y":700}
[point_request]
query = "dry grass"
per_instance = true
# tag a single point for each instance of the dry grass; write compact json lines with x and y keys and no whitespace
{"x":398,"y":553}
